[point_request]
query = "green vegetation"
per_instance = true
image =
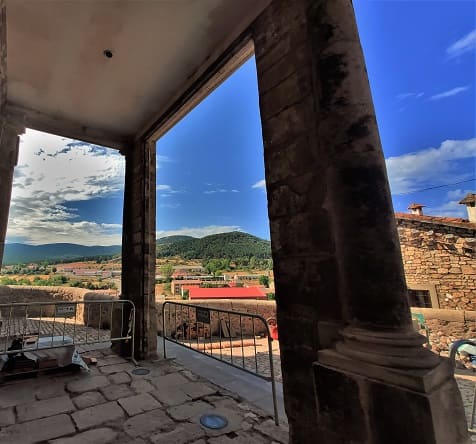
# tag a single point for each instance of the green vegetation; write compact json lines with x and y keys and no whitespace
{"x":264,"y":280}
{"x":241,"y":248}
{"x":57,"y":281}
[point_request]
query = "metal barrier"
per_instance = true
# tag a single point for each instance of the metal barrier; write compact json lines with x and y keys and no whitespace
{"x":204,"y":329}
{"x":453,"y":351}
{"x":81,"y":322}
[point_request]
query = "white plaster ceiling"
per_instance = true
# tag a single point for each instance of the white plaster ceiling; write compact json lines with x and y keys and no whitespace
{"x":56,"y":65}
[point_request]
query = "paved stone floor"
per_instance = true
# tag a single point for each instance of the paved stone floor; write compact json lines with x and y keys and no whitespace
{"x":110,"y":404}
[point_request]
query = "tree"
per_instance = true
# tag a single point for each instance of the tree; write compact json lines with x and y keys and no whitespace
{"x":167,"y":270}
{"x":264,"y":280}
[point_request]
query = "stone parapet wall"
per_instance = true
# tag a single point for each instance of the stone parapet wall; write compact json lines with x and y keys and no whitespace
{"x":266,"y":309}
{"x":442,"y":256}
{"x":30,"y":294}
{"x":447,"y":326}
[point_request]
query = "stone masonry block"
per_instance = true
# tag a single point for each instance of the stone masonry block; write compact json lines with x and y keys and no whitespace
{"x":114,"y":392}
{"x":147,"y":423}
{"x":46,"y":407}
{"x":103,"y":435}
{"x":36,"y":431}
{"x":88,"y":399}
{"x":86,"y":384}
{"x":142,"y":403}
{"x":97,"y":415}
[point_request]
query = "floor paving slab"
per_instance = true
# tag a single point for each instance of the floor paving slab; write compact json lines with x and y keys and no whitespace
{"x":111,"y":360}
{"x":145,"y":424}
{"x":97,"y":415}
{"x":87,"y":383}
{"x":198,"y":389}
{"x":133,"y":405}
{"x":113,"y":392}
{"x":170,"y":380}
{"x":142,"y":386}
{"x":88,"y":399}
{"x":189,"y":410}
{"x":102,"y":435}
{"x":170,"y":396}
{"x":44,"y":408}
{"x":239,"y":438}
{"x":7,"y":417}
{"x":271,"y":430}
{"x":37,"y":431}
{"x":120,"y":378}
{"x":15,"y":394}
{"x":51,"y":390}
{"x":182,"y":434}
{"x":110,"y":369}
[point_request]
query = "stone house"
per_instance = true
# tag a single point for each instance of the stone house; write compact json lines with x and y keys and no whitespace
{"x":439,"y":257}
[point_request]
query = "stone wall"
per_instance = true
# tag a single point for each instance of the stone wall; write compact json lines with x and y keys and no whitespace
{"x":14,"y":293}
{"x":443,"y":256}
{"x":266,"y":309}
{"x":447,"y":326}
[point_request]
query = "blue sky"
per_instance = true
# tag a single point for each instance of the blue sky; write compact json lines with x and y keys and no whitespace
{"x":420,"y":58}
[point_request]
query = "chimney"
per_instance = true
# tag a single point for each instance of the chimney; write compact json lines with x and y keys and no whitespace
{"x":416,"y":208}
{"x":470,"y":202}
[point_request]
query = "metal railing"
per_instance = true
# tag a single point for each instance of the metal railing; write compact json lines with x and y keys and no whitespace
{"x":216,"y":332}
{"x":453,"y":352}
{"x":40,"y":326}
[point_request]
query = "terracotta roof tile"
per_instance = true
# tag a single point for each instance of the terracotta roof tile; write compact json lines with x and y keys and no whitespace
{"x":463,"y":223}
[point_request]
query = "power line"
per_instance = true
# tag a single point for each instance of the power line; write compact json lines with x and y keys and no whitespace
{"x":435,"y":187}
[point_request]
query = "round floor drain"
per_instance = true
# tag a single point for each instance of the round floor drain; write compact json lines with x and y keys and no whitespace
{"x":213,"y":421}
{"x":140,"y":371}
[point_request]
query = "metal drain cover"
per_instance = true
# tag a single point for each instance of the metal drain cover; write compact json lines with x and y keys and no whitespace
{"x":140,"y":371}
{"x":213,"y":421}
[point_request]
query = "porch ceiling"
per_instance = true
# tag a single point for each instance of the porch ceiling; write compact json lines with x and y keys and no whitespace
{"x":56,"y":67}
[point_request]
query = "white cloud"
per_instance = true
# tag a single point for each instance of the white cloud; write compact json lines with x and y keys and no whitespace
{"x":163,"y":187}
{"x":452,"y":161}
{"x":53,"y":171}
{"x":260,"y":184}
{"x":199,"y":231}
{"x":449,"y":93}
{"x":450,"y":206}
{"x":465,"y":44}
{"x":408,"y":95}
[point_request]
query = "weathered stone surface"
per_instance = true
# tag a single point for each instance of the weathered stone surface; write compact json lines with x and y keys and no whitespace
{"x":97,"y":415}
{"x":46,"y":407}
{"x":110,"y":369}
{"x":87,"y":383}
{"x":15,"y":394}
{"x":239,"y":438}
{"x":183,"y":433}
{"x":197,"y":389}
{"x":50,"y":390}
{"x":119,"y":378}
{"x":188,"y":410}
{"x":113,"y":392}
{"x":102,"y":435}
{"x":111,"y":360}
{"x":88,"y":399}
{"x":7,"y":417}
{"x":36,"y":431}
{"x":171,"y":396}
{"x":147,"y":423}
{"x":170,"y":380}
{"x":271,"y":430}
{"x":133,"y":405}
{"x":142,"y":386}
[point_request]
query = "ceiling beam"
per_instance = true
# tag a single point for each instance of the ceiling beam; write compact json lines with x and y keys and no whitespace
{"x":66,"y":128}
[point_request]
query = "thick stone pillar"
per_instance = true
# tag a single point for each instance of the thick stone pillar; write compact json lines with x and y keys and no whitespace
{"x":138,"y":245}
{"x":9,"y":143}
{"x":345,"y":325}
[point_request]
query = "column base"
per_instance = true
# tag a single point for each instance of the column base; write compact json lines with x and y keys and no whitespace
{"x":360,"y":402}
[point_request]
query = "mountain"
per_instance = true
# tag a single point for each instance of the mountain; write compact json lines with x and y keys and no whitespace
{"x":23,"y":253}
{"x":220,"y":246}
{"x":173,"y":239}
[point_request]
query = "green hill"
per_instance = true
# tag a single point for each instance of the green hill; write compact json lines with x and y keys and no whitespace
{"x":220,"y":246}
{"x":173,"y":239}
{"x":23,"y":253}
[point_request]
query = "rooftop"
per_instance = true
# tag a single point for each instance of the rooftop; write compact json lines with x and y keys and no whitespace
{"x":226,"y":293}
{"x":452,"y":221}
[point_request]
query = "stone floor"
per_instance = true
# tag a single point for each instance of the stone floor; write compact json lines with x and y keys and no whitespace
{"x":110,"y":404}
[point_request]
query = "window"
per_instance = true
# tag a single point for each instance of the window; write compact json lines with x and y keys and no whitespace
{"x":423,"y":296}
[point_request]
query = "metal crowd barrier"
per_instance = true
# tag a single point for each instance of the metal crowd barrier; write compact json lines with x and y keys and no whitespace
{"x":212,"y":331}
{"x":78,"y":323}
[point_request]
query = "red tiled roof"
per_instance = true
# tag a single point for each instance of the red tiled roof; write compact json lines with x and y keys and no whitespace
{"x":415,"y":206}
{"x":463,"y":223}
{"x":225,"y":293}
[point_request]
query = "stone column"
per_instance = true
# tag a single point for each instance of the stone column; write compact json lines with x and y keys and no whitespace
{"x":138,"y":245}
{"x":9,"y":143}
{"x":343,"y":315}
